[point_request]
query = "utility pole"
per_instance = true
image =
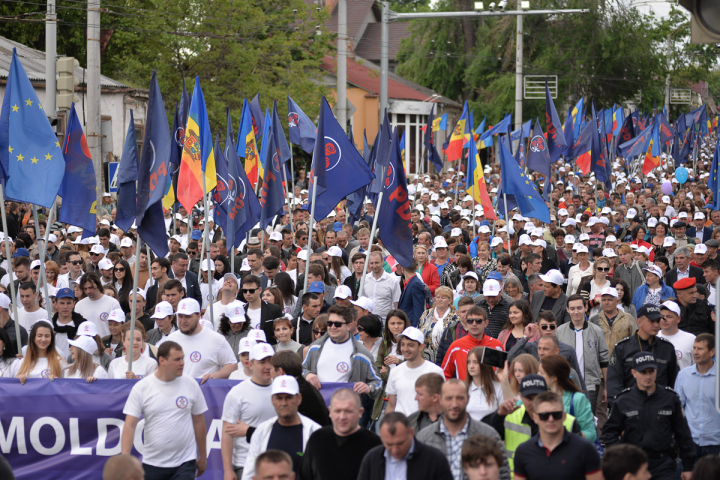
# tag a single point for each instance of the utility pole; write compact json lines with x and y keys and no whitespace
{"x":668,"y":51}
{"x":341,"y":108}
{"x":50,"y":58}
{"x":384,"y":39}
{"x":519,"y":68}
{"x":92,"y":97}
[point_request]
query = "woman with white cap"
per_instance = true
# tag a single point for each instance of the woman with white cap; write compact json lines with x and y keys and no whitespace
{"x":336,"y":264}
{"x":234,"y":324}
{"x":41,"y":359}
{"x":577,"y":272}
{"x":142,"y":365}
{"x":591,"y":290}
{"x":654,"y":290}
{"x":83,"y":366}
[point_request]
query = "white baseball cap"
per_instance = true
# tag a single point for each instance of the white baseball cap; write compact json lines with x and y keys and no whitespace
{"x":4,"y":301}
{"x":699,"y":216}
{"x":568,"y":222}
{"x":85,"y":343}
{"x":117,"y":315}
{"x":491,"y":288}
{"x":592,"y":221}
{"x":35,"y":264}
{"x":540,"y":243}
{"x":580,"y":248}
{"x":653,"y":269}
{"x":285,"y":384}
{"x":610,"y":291}
{"x":260,"y":351}
{"x":455,"y":232}
{"x":472,"y":275}
{"x":484,"y":229}
{"x":609,"y":253}
{"x":257,"y":335}
{"x":87,"y":328}
{"x":105,"y":264}
{"x":342,"y":292}
{"x":682,"y":215}
{"x":670,"y":305}
{"x":553,"y":276}
{"x":440,"y":242}
{"x":207,"y":262}
{"x":275,"y":237}
{"x":525,"y":239}
{"x":700,"y":248}
{"x":365,"y":303}
{"x":668,"y":242}
{"x":610,"y":238}
{"x":97,"y":249}
{"x":188,"y":306}
{"x":415,"y":334}
{"x":570,"y":239}
{"x":495,"y":242}
{"x":334,"y":251}
{"x":126,"y":242}
{"x":652,"y":222}
{"x":644,"y":249}
{"x":235,"y":311}
{"x":245,"y":267}
{"x":162,"y":310}
{"x":584,"y":236}
{"x":52,"y":238}
{"x":73,"y":229}
{"x":666,"y":199}
{"x":246,"y":345}
{"x":563,"y":212}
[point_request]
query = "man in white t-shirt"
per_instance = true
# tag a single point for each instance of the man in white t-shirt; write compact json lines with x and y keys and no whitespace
{"x":228,"y":293}
{"x":173,"y":406}
{"x":681,"y":340}
{"x":96,"y":306}
{"x":246,"y":406}
{"x":207,"y":353}
{"x":401,"y":381}
{"x":30,"y":312}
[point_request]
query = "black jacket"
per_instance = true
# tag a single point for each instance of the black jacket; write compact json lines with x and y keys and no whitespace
{"x":312,"y":405}
{"x":354,"y":285}
{"x":71,"y":332}
{"x":695,"y":272}
{"x":619,"y":371}
{"x":193,"y":286}
{"x":654,"y":422}
{"x":559,"y":309}
{"x":426,"y":463}
{"x":10,"y":329}
{"x":268,"y":313}
{"x":305,"y":335}
{"x":697,"y":318}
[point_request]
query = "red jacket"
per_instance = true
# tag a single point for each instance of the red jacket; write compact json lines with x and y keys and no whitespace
{"x":455,"y":361}
{"x":430,"y":277}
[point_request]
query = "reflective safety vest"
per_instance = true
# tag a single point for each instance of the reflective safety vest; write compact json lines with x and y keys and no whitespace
{"x":517,"y":432}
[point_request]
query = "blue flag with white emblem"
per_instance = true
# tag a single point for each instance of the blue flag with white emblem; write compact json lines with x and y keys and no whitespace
{"x":235,"y":200}
{"x":280,"y":140}
{"x":301,"y":129}
{"x":153,"y":172}
{"x":514,"y":181}
{"x":338,"y":166}
{"x":78,"y":186}
{"x":220,"y":192}
{"x":395,"y":230}
{"x":127,"y":180}
{"x":272,"y":194}
{"x":539,"y":158}
{"x":556,"y":140}
{"x":30,"y":154}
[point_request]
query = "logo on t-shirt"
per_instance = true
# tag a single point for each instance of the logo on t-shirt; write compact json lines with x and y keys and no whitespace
{"x":209,"y":298}
{"x":45,"y":373}
{"x":678,"y":354}
{"x":195,"y":356}
{"x":343,"y":367}
{"x":104,"y":316}
{"x":181,"y":402}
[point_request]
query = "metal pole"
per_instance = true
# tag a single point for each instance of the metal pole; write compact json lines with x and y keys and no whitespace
{"x":206,"y":242}
{"x":232,"y":261}
{"x":361,"y":290}
{"x":92,"y":99}
{"x":507,"y":224}
{"x":717,"y":341}
{"x":287,"y":197}
{"x":202,"y":252}
{"x":384,"y":40}
{"x":6,"y":239}
{"x":41,"y":248}
{"x":341,"y":76}
{"x":519,"y":69}
{"x":133,"y":315}
{"x":668,"y":51}
{"x":309,"y":243}
{"x":50,"y":58}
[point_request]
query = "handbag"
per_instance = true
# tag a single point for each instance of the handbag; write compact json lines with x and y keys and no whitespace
{"x":598,"y":446}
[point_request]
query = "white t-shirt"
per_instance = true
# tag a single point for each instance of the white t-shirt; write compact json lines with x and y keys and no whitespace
{"x":218,"y":311}
{"x":239,"y":374}
{"x":97,"y":312}
{"x":61,"y":339}
{"x":478,"y":405}
{"x":401,"y":382}
{"x":40,"y":370}
{"x":98,"y":373}
{"x":142,"y":367}
{"x":204,"y":291}
{"x":168,"y":408}
{"x":250,"y":403}
{"x":254,"y":315}
{"x":683,"y":343}
{"x":5,"y":367}
{"x":27,"y":319}
{"x":205,"y":352}
{"x":335,"y":362}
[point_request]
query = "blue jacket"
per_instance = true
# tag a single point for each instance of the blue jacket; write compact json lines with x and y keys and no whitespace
{"x":412,"y":300}
{"x":641,"y":292}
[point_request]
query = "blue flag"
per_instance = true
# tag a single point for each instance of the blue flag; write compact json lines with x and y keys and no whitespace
{"x":713,"y":183}
{"x":524,"y":130}
{"x":638,"y":145}
{"x":607,"y":119}
{"x":153,"y":172}
{"x":301,"y":128}
{"x":78,"y":186}
{"x":236,"y":198}
{"x":598,"y":160}
{"x":395,"y":230}
{"x":429,"y":141}
{"x":627,"y":133}
{"x":338,"y":166}
{"x":381,"y":148}
{"x":538,"y":157}
{"x":182,"y":111}
{"x":521,"y":153}
{"x":568,"y":130}
{"x":219,"y":194}
{"x":556,"y":141}
{"x":515,"y":182}
{"x":280,"y":140}
{"x":127,"y":180}
{"x":258,"y":120}
{"x":30,"y":154}
{"x":272,"y":194}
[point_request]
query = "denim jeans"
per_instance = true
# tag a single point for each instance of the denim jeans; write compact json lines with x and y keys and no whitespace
{"x":185,"y":471}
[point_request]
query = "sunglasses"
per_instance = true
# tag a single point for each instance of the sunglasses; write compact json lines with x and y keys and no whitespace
{"x":249,"y":290}
{"x":336,"y":324}
{"x":94,"y":254}
{"x":120,"y":269}
{"x":548,"y":327}
{"x":77,"y":262}
{"x":474,"y":320}
{"x":303,"y":238}
{"x":545,"y":416}
{"x":603,"y":269}
{"x":360,"y":329}
{"x":319,"y":332}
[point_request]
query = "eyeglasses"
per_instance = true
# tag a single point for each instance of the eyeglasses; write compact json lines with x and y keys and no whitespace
{"x":120,"y":269}
{"x":548,"y":327}
{"x":603,"y":269}
{"x":249,"y":290}
{"x":336,"y":324}
{"x":545,"y":416}
{"x":319,"y":332}
{"x":76,"y":262}
{"x":192,"y":253}
{"x":475,"y":320}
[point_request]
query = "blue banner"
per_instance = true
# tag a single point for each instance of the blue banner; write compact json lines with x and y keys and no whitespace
{"x":67,"y":429}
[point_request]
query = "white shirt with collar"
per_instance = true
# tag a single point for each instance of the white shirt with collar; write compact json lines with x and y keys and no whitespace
{"x":384,"y":292}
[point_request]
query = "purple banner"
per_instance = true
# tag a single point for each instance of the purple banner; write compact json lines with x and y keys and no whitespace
{"x":66,"y":429}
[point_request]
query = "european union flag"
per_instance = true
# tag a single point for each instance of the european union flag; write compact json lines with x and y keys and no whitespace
{"x":78,"y":186}
{"x":127,"y":178}
{"x":30,"y":155}
{"x":713,"y":183}
{"x":301,"y":129}
{"x":338,"y":166}
{"x":522,"y":132}
{"x":153,"y":172}
{"x":395,"y":230}
{"x":429,"y":142}
{"x":515,"y":182}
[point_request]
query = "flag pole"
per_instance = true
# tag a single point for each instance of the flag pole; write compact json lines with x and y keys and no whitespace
{"x":287,"y":198}
{"x":507,"y":222}
{"x":372,"y":235}
{"x":309,"y":243}
{"x":133,"y":315}
{"x":206,"y":244}
{"x":6,"y":241}
{"x":41,"y":249}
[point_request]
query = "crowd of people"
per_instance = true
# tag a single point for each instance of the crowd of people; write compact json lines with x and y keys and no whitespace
{"x":583,"y":348}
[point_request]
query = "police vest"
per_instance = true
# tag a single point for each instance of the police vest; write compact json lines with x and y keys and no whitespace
{"x":517,"y":432}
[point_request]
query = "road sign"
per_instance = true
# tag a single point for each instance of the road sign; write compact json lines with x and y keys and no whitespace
{"x":112,"y":175}
{"x":534,"y":86}
{"x":680,"y":96}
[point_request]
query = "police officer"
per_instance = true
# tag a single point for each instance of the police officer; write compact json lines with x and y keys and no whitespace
{"x":650,"y":416}
{"x":620,"y":374}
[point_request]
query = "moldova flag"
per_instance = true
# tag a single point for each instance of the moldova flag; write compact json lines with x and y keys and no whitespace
{"x":247,"y":145}
{"x":459,"y":137}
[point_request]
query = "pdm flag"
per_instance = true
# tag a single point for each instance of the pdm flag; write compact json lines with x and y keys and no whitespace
{"x":31,"y":158}
{"x":581,"y":150}
{"x":280,"y":140}
{"x":77,"y":189}
{"x":555,"y":138}
{"x":127,"y":180}
{"x":219,"y":194}
{"x":272,"y":194}
{"x":258,"y":120}
{"x":301,"y":128}
{"x":236,"y":189}
{"x":538,"y":157}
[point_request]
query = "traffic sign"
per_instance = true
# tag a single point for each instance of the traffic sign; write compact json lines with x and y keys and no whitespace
{"x":112,"y":175}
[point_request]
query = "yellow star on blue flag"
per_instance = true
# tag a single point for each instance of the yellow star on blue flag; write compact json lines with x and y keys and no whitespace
{"x":33,"y":138}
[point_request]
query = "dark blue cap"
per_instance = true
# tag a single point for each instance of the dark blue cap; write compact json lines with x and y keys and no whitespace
{"x":643,"y":360}
{"x":21,"y":252}
{"x":316,"y":287}
{"x":64,"y":293}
